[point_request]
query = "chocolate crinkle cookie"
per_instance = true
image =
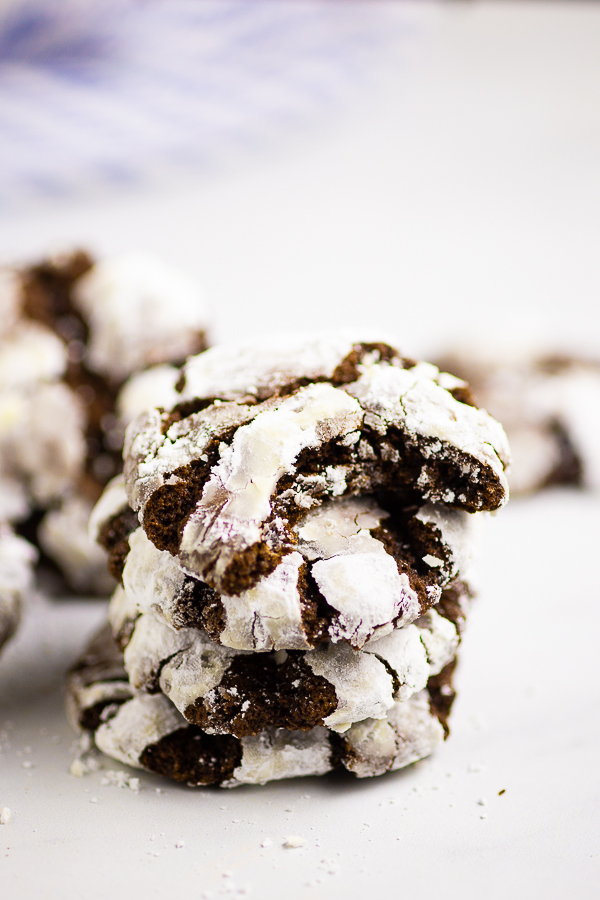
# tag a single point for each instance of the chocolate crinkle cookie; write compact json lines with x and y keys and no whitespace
{"x":257,"y":435}
{"x":147,"y":731}
{"x":355,"y":573}
{"x":550,"y":406}
{"x":292,"y":534}
{"x":72,"y":332}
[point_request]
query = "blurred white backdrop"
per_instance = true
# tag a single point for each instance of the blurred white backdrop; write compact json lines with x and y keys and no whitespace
{"x":455,"y":189}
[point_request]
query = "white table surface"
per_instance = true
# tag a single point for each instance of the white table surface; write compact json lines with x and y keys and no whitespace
{"x":462,"y":195}
{"x":526,"y":721}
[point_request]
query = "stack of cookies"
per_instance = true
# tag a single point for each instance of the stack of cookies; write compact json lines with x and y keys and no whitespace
{"x":292,"y":536}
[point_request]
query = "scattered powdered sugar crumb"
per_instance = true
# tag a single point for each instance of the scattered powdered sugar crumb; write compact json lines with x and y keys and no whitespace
{"x":5,"y":815}
{"x":86,"y":757}
{"x":476,"y":767}
{"x":179,"y":844}
{"x":482,"y":801}
{"x":121,"y":779}
{"x":78,"y":769}
{"x":94,"y":799}
{"x":294,"y":841}
{"x":266,"y":843}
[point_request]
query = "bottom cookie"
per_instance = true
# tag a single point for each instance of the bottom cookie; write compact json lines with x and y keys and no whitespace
{"x":147,"y":731}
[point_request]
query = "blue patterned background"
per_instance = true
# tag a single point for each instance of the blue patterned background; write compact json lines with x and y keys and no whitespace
{"x":104,"y":92}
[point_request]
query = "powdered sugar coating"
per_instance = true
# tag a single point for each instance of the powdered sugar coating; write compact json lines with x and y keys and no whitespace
{"x":236,"y":501}
{"x":38,"y":460}
{"x":33,"y":449}
{"x":70,"y":332}
{"x":189,"y":669}
{"x":440,"y":639}
{"x":261,"y":367}
{"x":141,"y":311}
{"x":358,"y":579}
{"x":142,"y":721}
{"x":278,"y":753}
{"x":150,"y":456}
{"x":328,"y":530}
{"x":14,"y":501}
{"x":405,"y":654}
{"x":112,"y":502}
{"x":409,"y":733}
{"x":460,"y":533}
{"x":10,"y":296}
{"x":363,"y":686}
{"x":186,"y":664}
{"x":63,"y":536}
{"x":366,"y":589}
{"x":152,"y":578}
{"x":145,"y":390}
{"x":17,"y":558}
{"x":30,"y":353}
{"x":267,"y":616}
{"x":122,"y":616}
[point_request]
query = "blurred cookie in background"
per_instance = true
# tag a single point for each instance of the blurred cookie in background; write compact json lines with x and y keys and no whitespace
{"x":17,"y":558}
{"x":548,"y":403}
{"x":72,"y":331}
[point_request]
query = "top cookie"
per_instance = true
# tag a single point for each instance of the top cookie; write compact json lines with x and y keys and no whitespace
{"x":257,"y":434}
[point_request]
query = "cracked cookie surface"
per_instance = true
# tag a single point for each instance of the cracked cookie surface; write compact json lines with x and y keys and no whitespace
{"x":148,"y":732}
{"x":257,"y":434}
{"x":357,"y":571}
{"x":237,"y":692}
